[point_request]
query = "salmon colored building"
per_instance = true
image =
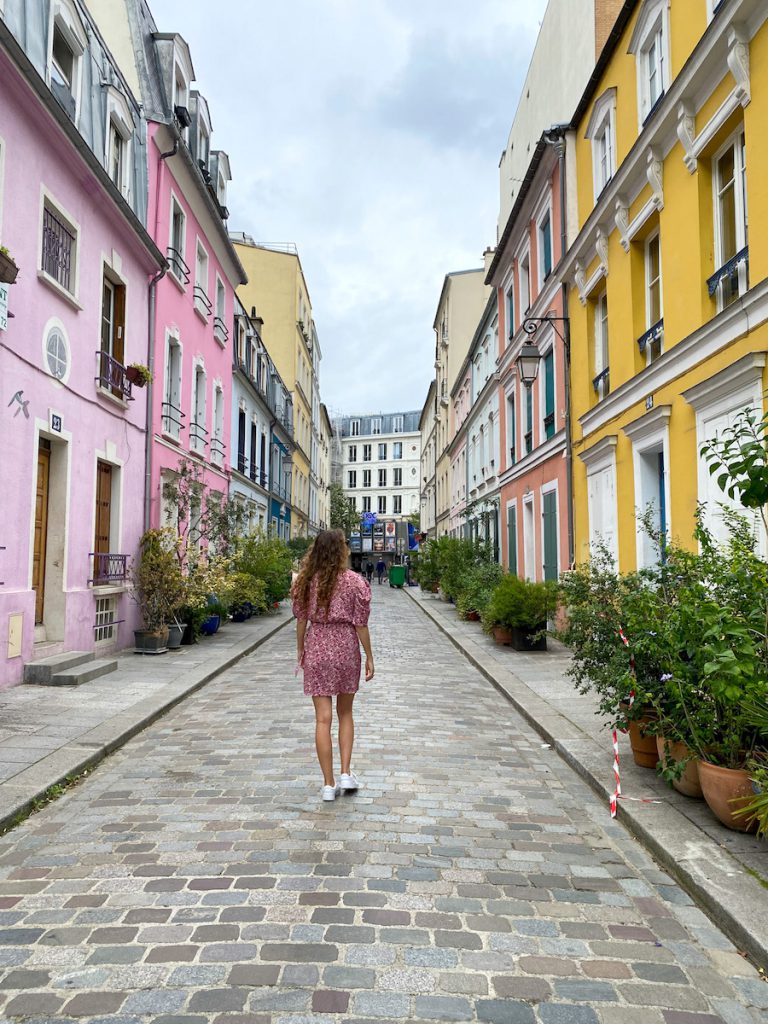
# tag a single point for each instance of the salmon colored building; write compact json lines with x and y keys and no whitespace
{"x":536,"y":530}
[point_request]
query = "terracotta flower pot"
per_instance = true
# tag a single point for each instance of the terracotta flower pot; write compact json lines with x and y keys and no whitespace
{"x":502,"y":635}
{"x":472,"y":616}
{"x":643,"y":747}
{"x":725,"y":790}
{"x":689,"y":783}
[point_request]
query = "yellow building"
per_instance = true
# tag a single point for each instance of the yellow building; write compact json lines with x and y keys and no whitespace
{"x":276,"y":287}
{"x":669,"y":278}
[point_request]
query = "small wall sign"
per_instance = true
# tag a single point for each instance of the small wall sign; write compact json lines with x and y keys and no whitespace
{"x":649,"y":401}
{"x":55,"y":423}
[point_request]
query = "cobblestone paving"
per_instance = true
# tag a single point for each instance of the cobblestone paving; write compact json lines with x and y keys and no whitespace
{"x":197,"y":877}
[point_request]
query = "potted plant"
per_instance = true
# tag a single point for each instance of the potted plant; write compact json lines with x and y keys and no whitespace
{"x":244,"y":593}
{"x":475,"y":593}
{"x":157,"y":589}
{"x":216,"y":615}
{"x":138,"y":374}
{"x":517,"y":613}
{"x":8,"y":268}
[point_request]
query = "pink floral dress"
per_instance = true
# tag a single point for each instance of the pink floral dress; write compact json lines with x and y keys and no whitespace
{"x":332,"y":649}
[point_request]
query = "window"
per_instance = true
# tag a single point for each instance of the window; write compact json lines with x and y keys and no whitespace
{"x":220,"y":331}
{"x":178,"y":266}
{"x":172,"y":392}
{"x":512,"y":539}
{"x":112,"y":350}
{"x":352,"y":479}
{"x":602,"y":131}
{"x":202,"y":302}
{"x":549,"y":532}
{"x":382,"y":451}
{"x":382,"y":503}
{"x":367,"y":453}
{"x":376,"y":425}
{"x":731,"y":278}
{"x":529,"y":540}
{"x":525,"y":283}
{"x":366,"y":503}
{"x":397,"y":450}
{"x":545,"y":248}
{"x":366,"y":478}
{"x":352,"y":453}
{"x":57,"y":353}
{"x":652,"y":341}
{"x":354,"y":428}
{"x":511,"y":429}
{"x":104,"y":626}
{"x":601,"y":380}
{"x":398,"y":477}
{"x":397,"y":505}
{"x":528,"y":437}
{"x":548,"y":394}
{"x":600,"y":462}
{"x":397,"y":424}
{"x":59,"y":249}
{"x":511,"y":312}
{"x":352,"y":503}
{"x":241,"y":460}
{"x":197,"y":432}
{"x":649,"y":44}
{"x":382,"y":478}
{"x":68,"y":42}
{"x":217,"y":444}
{"x":116,"y":156}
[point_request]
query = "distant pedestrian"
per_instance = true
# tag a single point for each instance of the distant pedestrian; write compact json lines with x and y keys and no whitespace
{"x":381,"y":568}
{"x":369,"y":570}
{"x":331,"y":604}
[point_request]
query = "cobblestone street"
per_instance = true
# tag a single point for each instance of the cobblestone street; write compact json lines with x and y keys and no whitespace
{"x":196,"y":875}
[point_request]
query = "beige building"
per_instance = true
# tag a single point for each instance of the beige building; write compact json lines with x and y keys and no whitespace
{"x":462,"y":301}
{"x":428,"y":428}
{"x":277,"y":288}
{"x":325,"y":432}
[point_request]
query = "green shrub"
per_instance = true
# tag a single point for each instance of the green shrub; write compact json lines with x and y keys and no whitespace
{"x":520,"y":604}
{"x":478,"y":586}
{"x":267,"y":559}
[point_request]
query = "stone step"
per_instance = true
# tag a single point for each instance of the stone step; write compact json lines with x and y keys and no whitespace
{"x":77,"y":676}
{"x":42,"y":671}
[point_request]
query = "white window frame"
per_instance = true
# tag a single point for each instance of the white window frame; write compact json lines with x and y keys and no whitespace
{"x":376,"y":425}
{"x":546,"y":212}
{"x":651,"y":29}
{"x":398,"y":424}
{"x":197,"y":443}
{"x":220,"y":329}
{"x":352,"y":479}
{"x":601,"y":344}
{"x":217,"y":434}
{"x":547,"y":346}
{"x":602,"y":124}
{"x":740,"y":203}
{"x":65,"y":16}
{"x":650,"y":435}
{"x":172,"y":388}
{"x":601,"y":458}
{"x":176,"y":205}
{"x":381,"y":504}
{"x":54,"y":324}
{"x":649,"y":357}
{"x":367,"y":477}
{"x":200,"y":308}
{"x":397,"y":505}
{"x":529,"y":538}
{"x":120,"y":118}
{"x":524,"y":259}
{"x":354,"y":428}
{"x":71,"y":296}
{"x":395,"y":450}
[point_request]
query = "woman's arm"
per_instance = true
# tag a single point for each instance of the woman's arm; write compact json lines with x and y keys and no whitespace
{"x":365,"y":639}
{"x":301,"y":632}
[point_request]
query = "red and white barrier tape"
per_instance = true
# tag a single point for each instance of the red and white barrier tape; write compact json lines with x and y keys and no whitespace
{"x":616,"y":795}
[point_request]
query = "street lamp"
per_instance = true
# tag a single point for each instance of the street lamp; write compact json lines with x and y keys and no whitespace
{"x":528,"y":364}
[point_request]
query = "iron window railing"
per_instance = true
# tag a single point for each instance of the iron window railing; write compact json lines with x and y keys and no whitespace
{"x":218,"y":448}
{"x":728,"y":270}
{"x":198,"y":436}
{"x":108,"y":568}
{"x":58,"y":249}
{"x":549,"y":425}
{"x":651,"y":335}
{"x":601,"y":382}
{"x":242,"y":463}
{"x":220,"y":328}
{"x":201,"y":300}
{"x":112,"y":376}
{"x":179,"y":268}
{"x":172,"y":417}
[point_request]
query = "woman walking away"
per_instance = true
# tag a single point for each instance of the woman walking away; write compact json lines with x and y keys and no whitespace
{"x":334,"y":603}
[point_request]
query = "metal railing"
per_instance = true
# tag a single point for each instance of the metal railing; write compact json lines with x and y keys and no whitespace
{"x":218,"y":448}
{"x":172,"y":417}
{"x":112,"y":376}
{"x":602,"y":382}
{"x":58,"y":248}
{"x":242,"y":463}
{"x":201,"y":300}
{"x":220,"y":328}
{"x":651,"y":335}
{"x":729,"y":271}
{"x":198,"y":436}
{"x":108,"y":568}
{"x":179,"y":268}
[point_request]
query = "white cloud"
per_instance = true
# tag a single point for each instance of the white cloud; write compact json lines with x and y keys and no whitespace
{"x":368,"y":133}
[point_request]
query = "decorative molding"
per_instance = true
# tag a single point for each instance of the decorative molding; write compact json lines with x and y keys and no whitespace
{"x":649,"y":423}
{"x":734,"y":322}
{"x":738,"y":377}
{"x":686,"y":133}
{"x":738,"y":61}
{"x":654,"y":171}
{"x":621,"y":218}
{"x":581,"y":283}
{"x":601,"y":249}
{"x":601,"y":453}
{"x":600,"y":110}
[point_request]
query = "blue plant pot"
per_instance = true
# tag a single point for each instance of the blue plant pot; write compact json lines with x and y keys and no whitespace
{"x":210,"y":625}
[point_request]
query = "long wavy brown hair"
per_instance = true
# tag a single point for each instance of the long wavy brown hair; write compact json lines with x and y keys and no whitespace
{"x":325,"y":561}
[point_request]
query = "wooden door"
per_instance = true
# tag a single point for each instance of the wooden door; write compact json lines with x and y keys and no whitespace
{"x":41,"y":526}
{"x":103,"y":515}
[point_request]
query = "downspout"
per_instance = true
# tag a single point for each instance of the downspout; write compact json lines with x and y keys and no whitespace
{"x":151,"y":348}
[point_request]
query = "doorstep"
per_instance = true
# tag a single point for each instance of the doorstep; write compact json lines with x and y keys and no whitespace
{"x":726,"y":872}
{"x":50,"y":734}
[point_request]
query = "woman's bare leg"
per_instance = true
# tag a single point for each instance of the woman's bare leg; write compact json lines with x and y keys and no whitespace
{"x":323,"y":718}
{"x":346,"y":729}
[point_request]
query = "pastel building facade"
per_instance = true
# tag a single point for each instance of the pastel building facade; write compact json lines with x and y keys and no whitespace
{"x":534,"y":458}
{"x":427,"y":428}
{"x":72,"y":206}
{"x":668,"y":272}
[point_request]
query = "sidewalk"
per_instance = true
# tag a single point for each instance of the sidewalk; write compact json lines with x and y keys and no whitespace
{"x":48,"y":733}
{"x":726,"y":872}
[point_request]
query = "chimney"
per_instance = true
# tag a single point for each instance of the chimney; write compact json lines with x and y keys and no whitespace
{"x":488,"y":258}
{"x":606,"y":12}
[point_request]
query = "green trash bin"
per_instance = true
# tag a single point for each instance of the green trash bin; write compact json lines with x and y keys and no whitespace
{"x":396,"y":575}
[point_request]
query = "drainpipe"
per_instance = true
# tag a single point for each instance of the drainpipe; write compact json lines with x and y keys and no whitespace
{"x":556,"y":137}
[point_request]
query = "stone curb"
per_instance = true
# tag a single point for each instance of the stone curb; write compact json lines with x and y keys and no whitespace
{"x":718,"y":883}
{"x":19,"y":795}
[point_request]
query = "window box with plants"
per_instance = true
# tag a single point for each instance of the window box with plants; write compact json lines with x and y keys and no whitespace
{"x":8,"y":269}
{"x":138,"y":374}
{"x":517,"y":613}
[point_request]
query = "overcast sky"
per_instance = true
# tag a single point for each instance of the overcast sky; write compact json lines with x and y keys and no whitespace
{"x":368,"y":132}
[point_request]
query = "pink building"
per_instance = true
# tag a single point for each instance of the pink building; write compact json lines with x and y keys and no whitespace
{"x":461,"y":399}
{"x":194,"y":310}
{"x":73,"y":425}
{"x":534,"y":457}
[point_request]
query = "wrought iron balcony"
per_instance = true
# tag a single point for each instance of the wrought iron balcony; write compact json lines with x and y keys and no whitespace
{"x":729,"y":271}
{"x":651,"y":336}
{"x":108,"y":568}
{"x":179,"y":268}
{"x":220,"y":329}
{"x":172,"y":417}
{"x":112,"y":377}
{"x":202,"y":303}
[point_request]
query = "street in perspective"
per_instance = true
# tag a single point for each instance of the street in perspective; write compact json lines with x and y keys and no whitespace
{"x":384,"y":512}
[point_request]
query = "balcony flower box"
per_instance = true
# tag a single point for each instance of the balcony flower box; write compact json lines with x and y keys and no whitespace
{"x":138,"y":374}
{"x":8,"y":268}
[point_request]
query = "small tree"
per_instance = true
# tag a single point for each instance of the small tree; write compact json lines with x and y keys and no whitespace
{"x":158,"y":585}
{"x":343,"y":516}
{"x":200,"y":516}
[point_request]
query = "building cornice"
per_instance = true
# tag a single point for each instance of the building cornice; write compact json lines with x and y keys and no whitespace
{"x":554,"y":446}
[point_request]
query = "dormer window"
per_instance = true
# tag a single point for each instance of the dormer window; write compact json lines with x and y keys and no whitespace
{"x":68,"y":42}
{"x":602,"y":132}
{"x":650,"y":45}
{"x":118,"y":140}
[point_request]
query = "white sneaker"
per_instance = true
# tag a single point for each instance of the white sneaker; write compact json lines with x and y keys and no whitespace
{"x":348,"y":783}
{"x":331,"y":792}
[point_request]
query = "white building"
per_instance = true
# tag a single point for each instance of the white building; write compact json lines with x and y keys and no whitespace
{"x":381,"y":463}
{"x":427,"y":427}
